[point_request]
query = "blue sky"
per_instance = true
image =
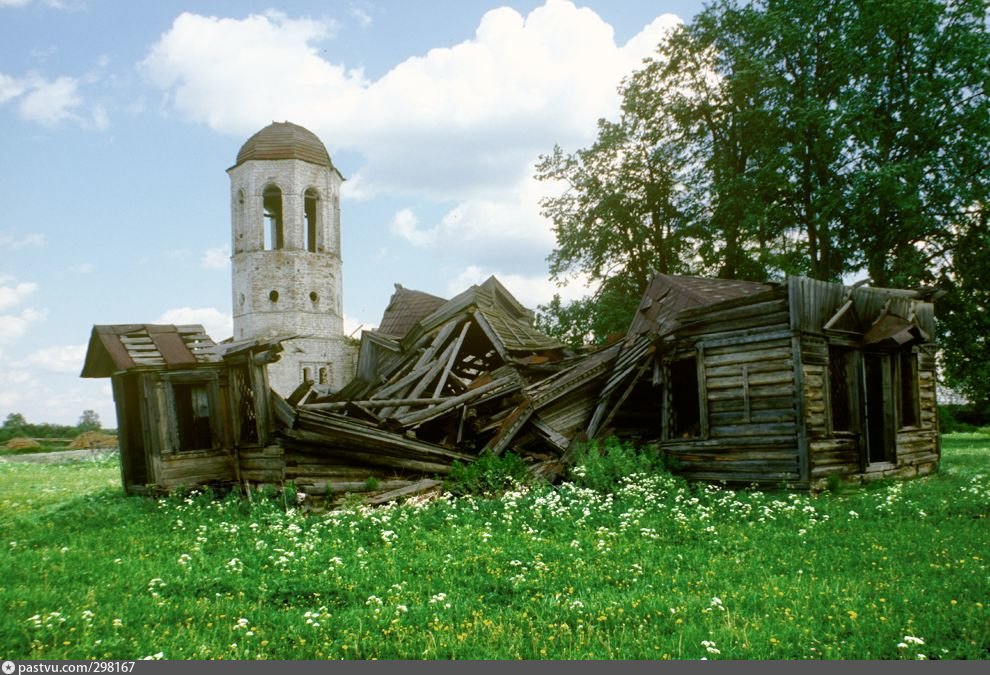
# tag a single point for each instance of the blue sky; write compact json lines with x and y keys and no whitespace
{"x":118,"y":121}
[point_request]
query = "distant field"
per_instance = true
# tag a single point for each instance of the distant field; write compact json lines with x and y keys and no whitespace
{"x":657,"y":569}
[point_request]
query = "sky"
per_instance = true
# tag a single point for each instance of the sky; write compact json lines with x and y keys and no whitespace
{"x":119,"y":119}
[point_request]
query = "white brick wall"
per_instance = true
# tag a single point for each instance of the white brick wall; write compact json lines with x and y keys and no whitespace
{"x":291,"y":291}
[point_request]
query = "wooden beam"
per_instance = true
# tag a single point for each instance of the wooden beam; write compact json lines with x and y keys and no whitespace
{"x":421,"y":416}
{"x":452,"y":360}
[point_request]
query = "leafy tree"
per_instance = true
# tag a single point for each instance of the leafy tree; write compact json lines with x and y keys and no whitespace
{"x":964,"y":313}
{"x":791,"y":136}
{"x":89,"y":421}
{"x":14,"y":421}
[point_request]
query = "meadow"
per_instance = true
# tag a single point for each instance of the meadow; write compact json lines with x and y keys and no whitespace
{"x":642,"y":567}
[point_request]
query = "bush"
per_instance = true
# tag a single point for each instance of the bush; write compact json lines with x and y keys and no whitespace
{"x":601,"y":466}
{"x":488,"y":474}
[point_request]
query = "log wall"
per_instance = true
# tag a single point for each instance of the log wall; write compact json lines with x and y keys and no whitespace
{"x":750,"y":423}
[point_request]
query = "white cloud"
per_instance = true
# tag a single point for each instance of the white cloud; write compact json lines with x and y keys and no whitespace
{"x":222,"y":71}
{"x":219,"y":325}
{"x":10,"y":87}
{"x":50,"y":102}
{"x":361,"y":15}
{"x":15,"y":326}
{"x":405,"y":224}
{"x":17,"y":242}
{"x":458,"y":122}
{"x":508,"y":233}
{"x":59,"y":359}
{"x":217,"y":258}
{"x":531,"y":291}
{"x":68,"y":5}
{"x":14,"y":294}
{"x":353,"y":327}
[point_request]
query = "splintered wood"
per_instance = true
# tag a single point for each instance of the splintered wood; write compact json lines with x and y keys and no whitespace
{"x":473,"y":377}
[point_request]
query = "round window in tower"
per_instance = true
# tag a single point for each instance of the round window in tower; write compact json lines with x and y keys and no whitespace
{"x":314,"y":296}
{"x":273,"y":296}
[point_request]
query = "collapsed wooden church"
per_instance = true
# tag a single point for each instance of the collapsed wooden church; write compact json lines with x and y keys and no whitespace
{"x":779,"y":384}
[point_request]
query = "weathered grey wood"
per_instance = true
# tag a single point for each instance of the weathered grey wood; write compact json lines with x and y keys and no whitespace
{"x":377,"y":458}
{"x":416,"y":488}
{"x":801,"y":430}
{"x":551,"y":435}
{"x":432,"y":369}
{"x":492,"y":336}
{"x":747,"y":356}
{"x":373,"y":403}
{"x":450,"y":362}
{"x":412,"y":419}
{"x":510,"y":427}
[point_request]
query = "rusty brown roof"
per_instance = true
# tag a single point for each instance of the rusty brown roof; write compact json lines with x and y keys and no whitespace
{"x":405,"y":309}
{"x":127,"y":346}
{"x":285,"y":140}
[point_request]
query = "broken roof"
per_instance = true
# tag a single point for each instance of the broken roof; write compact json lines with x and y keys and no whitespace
{"x":669,"y":294}
{"x":120,"y":347}
{"x":405,"y":309}
{"x":507,"y":323}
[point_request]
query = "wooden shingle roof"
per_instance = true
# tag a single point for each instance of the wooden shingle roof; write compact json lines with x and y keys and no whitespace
{"x":405,"y":309}
{"x":122,"y":347}
{"x":285,"y":140}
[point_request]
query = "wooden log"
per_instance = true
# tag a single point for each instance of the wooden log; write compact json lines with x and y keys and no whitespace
{"x":407,"y":491}
{"x":390,"y":461}
{"x":421,"y":416}
{"x":373,"y":404}
{"x":350,"y":434}
{"x":453,"y":359}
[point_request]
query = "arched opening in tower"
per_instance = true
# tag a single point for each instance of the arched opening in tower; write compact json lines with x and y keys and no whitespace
{"x":311,"y":201}
{"x":272,"y":202}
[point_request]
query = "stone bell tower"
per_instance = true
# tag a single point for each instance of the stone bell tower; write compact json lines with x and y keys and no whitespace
{"x":285,"y":213}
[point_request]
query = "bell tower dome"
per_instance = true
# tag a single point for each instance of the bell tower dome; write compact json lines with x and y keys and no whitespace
{"x":286,"y":264}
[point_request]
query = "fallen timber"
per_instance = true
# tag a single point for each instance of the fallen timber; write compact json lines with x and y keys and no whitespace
{"x":472,"y":377}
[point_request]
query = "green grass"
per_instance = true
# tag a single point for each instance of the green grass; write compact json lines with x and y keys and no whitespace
{"x":656,"y":569}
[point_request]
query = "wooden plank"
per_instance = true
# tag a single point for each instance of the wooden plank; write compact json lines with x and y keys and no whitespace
{"x":549,"y":434}
{"x":802,"y":422}
{"x":432,"y":369}
{"x":510,"y":427}
{"x":407,"y":491}
{"x":453,"y":359}
{"x":373,"y":403}
{"x":745,"y":378}
{"x":748,"y":356}
{"x":421,"y":416}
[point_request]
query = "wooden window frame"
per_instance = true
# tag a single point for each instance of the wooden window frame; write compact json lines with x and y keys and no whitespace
{"x":211,"y":381}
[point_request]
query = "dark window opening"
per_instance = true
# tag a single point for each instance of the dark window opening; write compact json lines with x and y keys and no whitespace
{"x":311,"y":219}
{"x":324,"y":379}
{"x":314,"y":296}
{"x":909,"y":389}
{"x":274,"y":236}
{"x":192,"y":416}
{"x":685,"y":406}
{"x":307,"y":375}
{"x":273,"y":296}
{"x":840,"y":389}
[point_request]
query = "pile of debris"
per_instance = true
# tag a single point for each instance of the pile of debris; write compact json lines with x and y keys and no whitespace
{"x":444,"y":381}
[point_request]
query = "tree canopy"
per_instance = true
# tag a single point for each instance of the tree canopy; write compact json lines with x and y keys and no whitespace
{"x":836,"y":140}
